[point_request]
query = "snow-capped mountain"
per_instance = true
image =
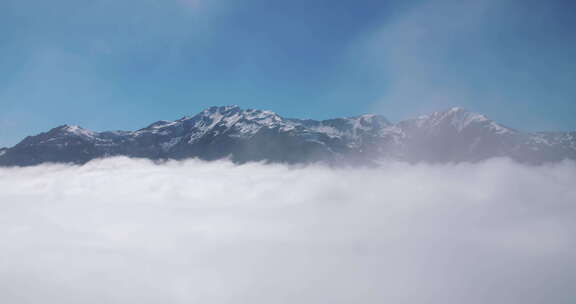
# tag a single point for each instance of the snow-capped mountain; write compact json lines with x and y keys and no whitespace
{"x":254,"y":135}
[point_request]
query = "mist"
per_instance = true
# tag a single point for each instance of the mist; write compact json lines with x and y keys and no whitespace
{"x":131,"y":231}
{"x":437,"y":54}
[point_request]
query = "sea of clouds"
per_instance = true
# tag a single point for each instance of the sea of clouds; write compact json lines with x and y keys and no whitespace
{"x":130,"y":231}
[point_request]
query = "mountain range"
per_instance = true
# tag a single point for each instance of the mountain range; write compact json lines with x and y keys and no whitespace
{"x":244,"y":135}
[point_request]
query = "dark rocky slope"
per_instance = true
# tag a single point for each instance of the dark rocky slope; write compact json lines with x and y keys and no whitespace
{"x":454,"y":135}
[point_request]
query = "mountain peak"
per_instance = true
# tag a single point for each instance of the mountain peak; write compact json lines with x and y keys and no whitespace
{"x":223,"y":109}
{"x":159,"y":124}
{"x":457,"y":110}
{"x":232,"y":114}
{"x":73,"y":130}
{"x":461,"y":118}
{"x":373,"y":118}
{"x":458,"y":118}
{"x":255,"y":135}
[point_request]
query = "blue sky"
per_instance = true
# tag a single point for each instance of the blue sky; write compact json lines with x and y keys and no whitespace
{"x":110,"y":64}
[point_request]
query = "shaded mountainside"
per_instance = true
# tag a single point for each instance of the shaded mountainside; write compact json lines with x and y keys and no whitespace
{"x":242,"y":135}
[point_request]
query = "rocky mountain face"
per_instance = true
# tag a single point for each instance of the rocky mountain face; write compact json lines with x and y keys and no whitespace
{"x":242,"y":135}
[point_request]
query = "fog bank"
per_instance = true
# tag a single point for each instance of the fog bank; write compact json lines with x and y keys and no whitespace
{"x":130,"y":231}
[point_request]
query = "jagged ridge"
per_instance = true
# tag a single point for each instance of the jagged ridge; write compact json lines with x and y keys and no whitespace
{"x":254,"y":135}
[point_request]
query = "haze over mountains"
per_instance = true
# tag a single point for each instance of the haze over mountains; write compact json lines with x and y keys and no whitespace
{"x":244,"y":135}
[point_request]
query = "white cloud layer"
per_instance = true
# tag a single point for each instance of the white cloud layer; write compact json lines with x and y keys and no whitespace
{"x":129,"y":231}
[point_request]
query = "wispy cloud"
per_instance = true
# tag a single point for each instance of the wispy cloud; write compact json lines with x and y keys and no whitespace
{"x":485,"y":55}
{"x":416,"y":53}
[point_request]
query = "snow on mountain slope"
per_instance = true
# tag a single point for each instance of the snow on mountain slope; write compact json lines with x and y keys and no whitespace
{"x":222,"y":118}
{"x":457,"y":119}
{"x":567,"y":139}
{"x":240,"y":123}
{"x":254,"y":135}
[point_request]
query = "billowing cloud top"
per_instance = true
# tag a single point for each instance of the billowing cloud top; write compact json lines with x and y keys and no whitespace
{"x":130,"y":231}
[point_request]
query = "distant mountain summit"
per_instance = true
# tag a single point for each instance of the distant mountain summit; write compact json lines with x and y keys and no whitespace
{"x":244,"y":135}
